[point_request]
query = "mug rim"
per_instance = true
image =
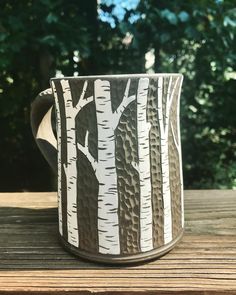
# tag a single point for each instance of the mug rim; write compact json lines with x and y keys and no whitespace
{"x":118,"y":76}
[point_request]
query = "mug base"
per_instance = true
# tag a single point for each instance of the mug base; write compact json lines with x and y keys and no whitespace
{"x":121,"y":259}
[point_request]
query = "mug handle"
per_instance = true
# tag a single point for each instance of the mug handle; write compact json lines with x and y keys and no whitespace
{"x":41,"y":125}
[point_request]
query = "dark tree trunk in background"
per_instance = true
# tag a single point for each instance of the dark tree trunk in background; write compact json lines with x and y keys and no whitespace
{"x":90,"y":64}
{"x":45,"y":67}
{"x":157,"y":63}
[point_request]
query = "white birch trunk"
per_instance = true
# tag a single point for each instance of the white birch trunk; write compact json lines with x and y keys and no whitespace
{"x":143,"y":167}
{"x":105,"y":166}
{"x":59,"y":163}
{"x":178,"y":147}
{"x":164,"y":130}
{"x":163,"y":121}
{"x":166,"y":191}
{"x":71,"y":166}
{"x":108,"y":223}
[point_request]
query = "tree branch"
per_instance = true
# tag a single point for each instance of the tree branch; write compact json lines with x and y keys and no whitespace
{"x":65,"y":169}
{"x":83,"y":91}
{"x":149,"y":126}
{"x":135,"y":166}
{"x":127,"y":89}
{"x":124,"y":105}
{"x":168,"y":95}
{"x":169,"y":100}
{"x":174,"y":137}
{"x":173,"y":91}
{"x":160,"y":106}
{"x":125,"y":102}
{"x":85,"y":150}
{"x":82,"y":101}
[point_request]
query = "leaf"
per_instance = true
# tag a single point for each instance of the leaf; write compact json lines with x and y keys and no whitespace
{"x":229,"y":22}
{"x":3,"y":36}
{"x":170,"y":16}
{"x":49,"y":40}
{"x":51,"y":18}
{"x":183,"y":16}
{"x":191,"y":32}
{"x":16,"y":23}
{"x":51,"y":4}
{"x":164,"y":37}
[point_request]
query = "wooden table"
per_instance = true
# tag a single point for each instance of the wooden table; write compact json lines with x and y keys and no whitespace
{"x":33,"y":262}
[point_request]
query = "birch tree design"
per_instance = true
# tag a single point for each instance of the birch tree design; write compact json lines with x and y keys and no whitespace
{"x":102,"y":144}
{"x":164,"y":119}
{"x":71,"y":166}
{"x":143,"y":167}
{"x":59,"y":161}
{"x":105,"y":166}
{"x":118,"y":148}
{"x":177,"y":142}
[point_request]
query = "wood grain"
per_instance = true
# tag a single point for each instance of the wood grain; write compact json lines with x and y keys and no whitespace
{"x":33,"y":262}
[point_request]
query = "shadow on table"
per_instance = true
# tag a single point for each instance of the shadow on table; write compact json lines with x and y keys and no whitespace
{"x":29,"y":239}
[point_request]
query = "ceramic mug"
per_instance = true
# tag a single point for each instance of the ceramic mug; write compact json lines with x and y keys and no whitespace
{"x":118,"y":160}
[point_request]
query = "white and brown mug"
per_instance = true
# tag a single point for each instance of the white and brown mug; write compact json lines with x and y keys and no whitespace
{"x":118,"y":159}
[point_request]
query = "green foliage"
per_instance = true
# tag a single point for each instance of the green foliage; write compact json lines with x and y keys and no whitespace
{"x":197,"y":38}
{"x":39,"y":39}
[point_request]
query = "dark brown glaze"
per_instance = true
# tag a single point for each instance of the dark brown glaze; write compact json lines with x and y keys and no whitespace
{"x":87,"y":184}
{"x":175,"y":188}
{"x":128,"y":178}
{"x":157,"y":202}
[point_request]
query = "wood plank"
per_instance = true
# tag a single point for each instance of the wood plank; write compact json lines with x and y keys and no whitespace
{"x":33,"y":262}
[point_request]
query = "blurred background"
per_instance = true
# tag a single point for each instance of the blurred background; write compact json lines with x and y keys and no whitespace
{"x":47,"y":38}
